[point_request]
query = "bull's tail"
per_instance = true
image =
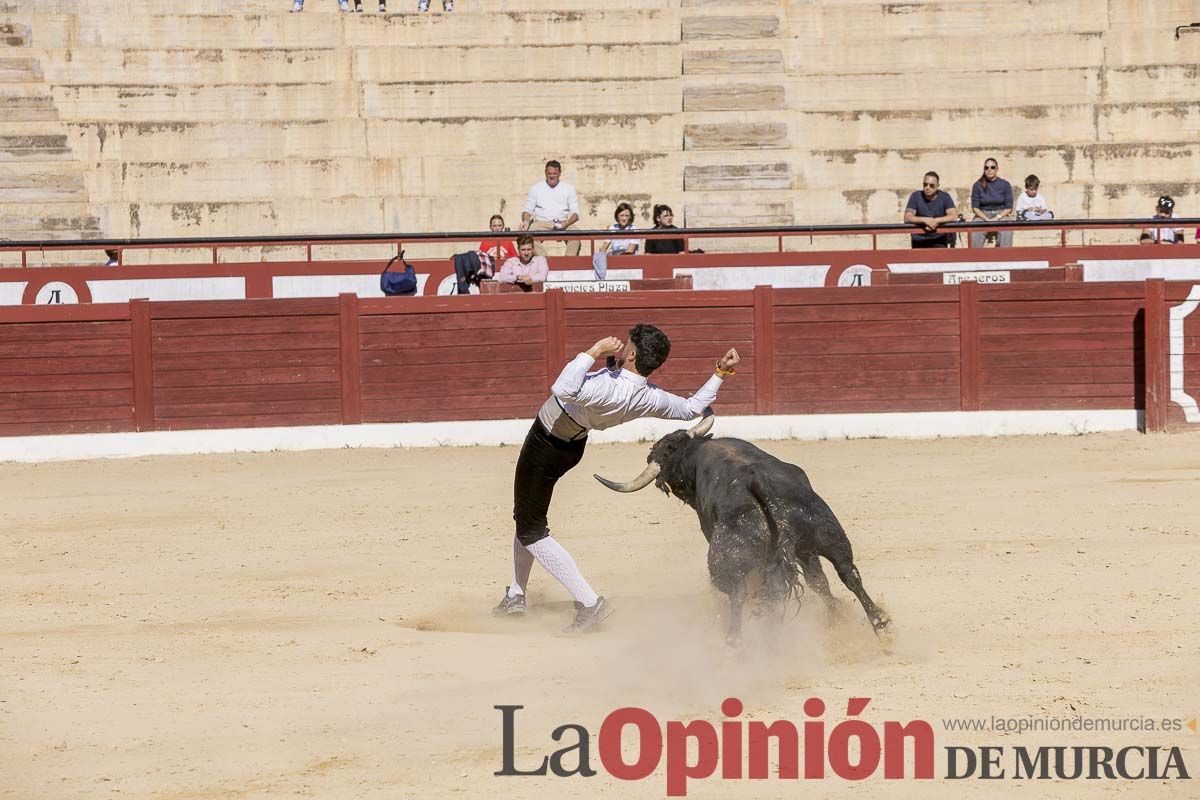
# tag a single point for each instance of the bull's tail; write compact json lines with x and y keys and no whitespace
{"x":781,"y":551}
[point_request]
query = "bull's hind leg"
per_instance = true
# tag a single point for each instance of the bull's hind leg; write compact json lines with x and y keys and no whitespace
{"x":727,"y":568}
{"x":814,"y":577}
{"x":843,"y":562}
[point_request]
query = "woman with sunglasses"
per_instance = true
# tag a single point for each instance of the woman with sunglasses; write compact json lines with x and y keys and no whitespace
{"x":992,"y":201}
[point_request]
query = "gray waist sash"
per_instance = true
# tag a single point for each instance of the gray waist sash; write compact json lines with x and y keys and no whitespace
{"x":558,"y":423}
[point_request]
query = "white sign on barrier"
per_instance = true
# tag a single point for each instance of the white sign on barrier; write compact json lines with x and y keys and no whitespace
{"x":588,"y":286}
{"x":955,"y":278}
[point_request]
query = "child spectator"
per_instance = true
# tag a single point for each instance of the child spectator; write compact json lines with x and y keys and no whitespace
{"x":500,"y":250}
{"x":1030,"y":205}
{"x":1165,"y":210}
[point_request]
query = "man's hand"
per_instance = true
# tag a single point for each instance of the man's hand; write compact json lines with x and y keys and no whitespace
{"x":606,"y":347}
{"x":729,"y":361}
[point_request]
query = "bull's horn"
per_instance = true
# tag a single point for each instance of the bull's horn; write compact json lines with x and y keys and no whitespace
{"x":640,"y":482}
{"x":703,"y":426}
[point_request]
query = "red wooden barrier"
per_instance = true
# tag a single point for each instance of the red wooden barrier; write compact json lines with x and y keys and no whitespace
{"x":208,"y":364}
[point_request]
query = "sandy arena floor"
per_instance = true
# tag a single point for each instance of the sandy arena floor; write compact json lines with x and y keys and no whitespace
{"x":317,"y":624}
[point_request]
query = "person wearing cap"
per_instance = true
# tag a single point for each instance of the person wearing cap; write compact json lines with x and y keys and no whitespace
{"x":1163,"y":235}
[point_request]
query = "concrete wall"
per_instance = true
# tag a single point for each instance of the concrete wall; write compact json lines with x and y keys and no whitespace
{"x":214,"y":117}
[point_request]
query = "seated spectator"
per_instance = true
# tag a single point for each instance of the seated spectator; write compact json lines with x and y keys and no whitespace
{"x":616,"y":247}
{"x":930,"y":208}
{"x":664,"y":218}
{"x":992,"y":201}
{"x":1030,"y":205}
{"x":526,"y":268}
{"x":552,"y":205}
{"x":499,"y":249}
{"x":1167,"y":235}
{"x":112,"y":258}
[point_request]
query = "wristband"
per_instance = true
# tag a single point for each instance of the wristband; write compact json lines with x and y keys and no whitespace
{"x":725,"y":373}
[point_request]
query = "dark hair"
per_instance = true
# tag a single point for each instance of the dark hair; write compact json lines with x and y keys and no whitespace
{"x":555,"y":164}
{"x":652,"y":346}
{"x":936,"y":177}
{"x":495,"y":217}
{"x":1165,"y":203}
{"x":623,"y":207}
{"x":983,"y":176}
{"x":524,"y":240}
{"x":1032,"y":182}
{"x":659,"y":210}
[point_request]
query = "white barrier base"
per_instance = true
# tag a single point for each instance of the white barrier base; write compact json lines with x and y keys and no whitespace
{"x":923,"y":425}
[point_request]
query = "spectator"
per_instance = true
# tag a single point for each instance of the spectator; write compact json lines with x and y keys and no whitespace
{"x":551,"y":206}
{"x":1030,"y":205}
{"x":930,"y":208}
{"x":343,"y":5}
{"x":499,"y":249}
{"x":113,"y":259}
{"x":616,"y":247}
{"x":359,"y":9}
{"x":1168,"y":235}
{"x":526,"y":268}
{"x":664,"y":218}
{"x":992,"y":201}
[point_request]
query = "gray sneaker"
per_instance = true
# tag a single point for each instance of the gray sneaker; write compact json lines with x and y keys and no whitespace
{"x":510,"y":606}
{"x":588,"y":617}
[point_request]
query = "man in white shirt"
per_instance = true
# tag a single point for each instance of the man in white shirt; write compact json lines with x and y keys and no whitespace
{"x":581,"y":401}
{"x":551,"y":206}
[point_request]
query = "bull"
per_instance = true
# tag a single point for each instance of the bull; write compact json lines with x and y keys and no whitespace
{"x":758,"y":513}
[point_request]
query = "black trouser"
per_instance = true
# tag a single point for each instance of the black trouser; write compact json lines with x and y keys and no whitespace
{"x":923,"y":244}
{"x":543,"y":460}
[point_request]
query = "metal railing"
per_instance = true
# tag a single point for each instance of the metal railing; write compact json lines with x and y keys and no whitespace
{"x":780,"y":233}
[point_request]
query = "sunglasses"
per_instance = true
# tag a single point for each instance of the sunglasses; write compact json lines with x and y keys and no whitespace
{"x":929,"y":185}
{"x":990,"y":166}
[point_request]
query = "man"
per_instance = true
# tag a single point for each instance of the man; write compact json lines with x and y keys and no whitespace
{"x":930,"y":208}
{"x":551,"y":206}
{"x":581,"y":401}
{"x":1165,"y":210}
{"x":524,"y":269}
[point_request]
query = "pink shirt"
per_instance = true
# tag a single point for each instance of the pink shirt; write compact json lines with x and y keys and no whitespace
{"x":537,"y":269}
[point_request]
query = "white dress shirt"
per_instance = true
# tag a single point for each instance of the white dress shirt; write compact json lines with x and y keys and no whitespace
{"x":551,"y":204}
{"x":607,"y":397}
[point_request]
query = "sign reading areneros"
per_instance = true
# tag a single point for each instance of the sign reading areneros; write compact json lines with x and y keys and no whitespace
{"x":588,"y":286}
{"x":996,"y":276}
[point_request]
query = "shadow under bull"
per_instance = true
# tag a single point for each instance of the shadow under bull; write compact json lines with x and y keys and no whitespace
{"x":758,"y":513}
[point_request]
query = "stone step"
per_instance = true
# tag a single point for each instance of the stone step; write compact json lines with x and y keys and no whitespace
{"x":21,"y":104}
{"x":202,"y":103}
{"x":742,"y":26}
{"x":738,"y":177}
{"x":923,"y":61}
{"x":272,"y":7}
{"x":1153,"y":84}
{"x":376,"y":138}
{"x":191,"y":67}
{"x":242,"y":181}
{"x":33,"y":147}
{"x":1149,"y":122}
{"x":735,"y":135}
{"x":725,"y":95}
{"x":41,"y":182}
{"x":844,"y":21}
{"x":46,"y":220}
{"x":20,"y":70}
{"x":756,"y":61}
{"x":525,"y":99}
{"x":291,"y":31}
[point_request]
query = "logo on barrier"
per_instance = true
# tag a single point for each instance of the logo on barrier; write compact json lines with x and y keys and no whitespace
{"x":857,"y":275}
{"x":56,"y":293}
{"x":995,"y":276}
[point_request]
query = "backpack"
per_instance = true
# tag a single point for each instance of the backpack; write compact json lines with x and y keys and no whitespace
{"x":398,"y":283}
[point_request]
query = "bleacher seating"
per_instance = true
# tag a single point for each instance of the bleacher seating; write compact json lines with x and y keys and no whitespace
{"x":128,"y":118}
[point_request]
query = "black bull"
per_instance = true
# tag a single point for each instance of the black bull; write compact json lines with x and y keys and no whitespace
{"x":757,"y":513}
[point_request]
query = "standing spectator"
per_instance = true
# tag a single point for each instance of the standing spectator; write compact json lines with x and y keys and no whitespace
{"x":526,"y":268}
{"x":1167,"y":235}
{"x":343,"y":5}
{"x":1030,"y":205}
{"x":664,"y":218}
{"x":551,"y":206}
{"x":930,"y":208}
{"x":992,"y":201}
{"x":500,"y":249}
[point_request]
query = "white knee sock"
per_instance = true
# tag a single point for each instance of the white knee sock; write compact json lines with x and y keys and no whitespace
{"x":558,"y":562}
{"x":522,"y":564}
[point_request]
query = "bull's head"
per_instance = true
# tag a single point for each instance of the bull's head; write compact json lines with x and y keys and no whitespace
{"x":659,"y":454}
